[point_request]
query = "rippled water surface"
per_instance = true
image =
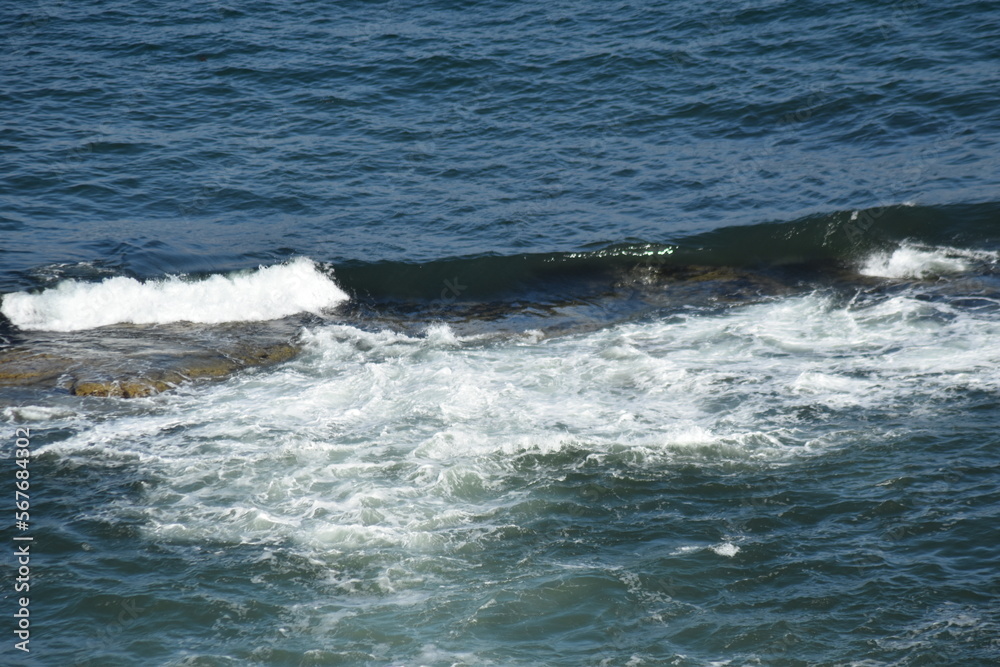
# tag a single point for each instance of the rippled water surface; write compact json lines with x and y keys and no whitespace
{"x":656,"y":333}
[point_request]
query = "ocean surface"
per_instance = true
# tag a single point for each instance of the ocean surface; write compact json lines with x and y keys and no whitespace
{"x":627,"y":333}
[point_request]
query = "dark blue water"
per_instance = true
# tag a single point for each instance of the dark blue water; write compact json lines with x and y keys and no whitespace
{"x":670,"y":331}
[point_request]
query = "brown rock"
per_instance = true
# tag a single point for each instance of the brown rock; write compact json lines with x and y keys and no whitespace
{"x":124,"y":377}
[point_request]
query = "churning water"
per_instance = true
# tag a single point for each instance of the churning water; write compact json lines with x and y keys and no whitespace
{"x":658,"y":333}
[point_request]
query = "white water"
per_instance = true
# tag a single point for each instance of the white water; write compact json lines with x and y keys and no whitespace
{"x":377,"y":441}
{"x":914,"y":262}
{"x":265,"y":294}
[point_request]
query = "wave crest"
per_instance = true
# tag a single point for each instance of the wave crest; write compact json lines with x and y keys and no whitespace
{"x":267,"y":293}
{"x":912,"y":262}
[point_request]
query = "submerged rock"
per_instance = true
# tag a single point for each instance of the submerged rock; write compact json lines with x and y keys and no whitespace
{"x":155,"y":383}
{"x":131,"y":362}
{"x":19,"y":366}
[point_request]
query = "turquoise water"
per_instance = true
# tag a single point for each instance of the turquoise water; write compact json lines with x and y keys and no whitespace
{"x":631,"y":333}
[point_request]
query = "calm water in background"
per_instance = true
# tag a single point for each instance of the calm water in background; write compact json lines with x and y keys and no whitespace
{"x":518,"y":443}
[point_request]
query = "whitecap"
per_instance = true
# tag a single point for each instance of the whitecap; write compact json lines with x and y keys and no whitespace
{"x":913,"y":262}
{"x":267,"y":293}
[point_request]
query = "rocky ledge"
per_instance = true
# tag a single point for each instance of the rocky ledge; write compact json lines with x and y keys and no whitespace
{"x":130,"y":362}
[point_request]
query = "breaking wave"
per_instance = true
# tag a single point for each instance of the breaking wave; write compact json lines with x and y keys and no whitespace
{"x":909,"y":261}
{"x":267,"y":293}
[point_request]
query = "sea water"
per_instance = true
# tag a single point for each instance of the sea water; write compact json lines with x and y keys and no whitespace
{"x":659,"y":333}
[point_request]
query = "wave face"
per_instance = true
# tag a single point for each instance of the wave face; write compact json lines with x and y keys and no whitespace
{"x":268,"y":293}
{"x":900,"y":241}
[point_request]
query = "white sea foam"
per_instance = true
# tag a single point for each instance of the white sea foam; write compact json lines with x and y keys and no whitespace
{"x":264,"y":294}
{"x":727,"y":549}
{"x":422,"y":446}
{"x":27,"y":413}
{"x":908,"y":261}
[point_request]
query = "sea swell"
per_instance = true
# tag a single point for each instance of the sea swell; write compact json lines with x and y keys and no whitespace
{"x":826,"y":246}
{"x":122,"y":336}
{"x":822,"y":249}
